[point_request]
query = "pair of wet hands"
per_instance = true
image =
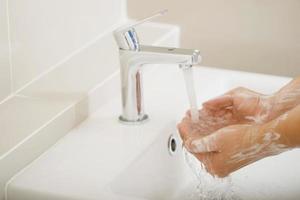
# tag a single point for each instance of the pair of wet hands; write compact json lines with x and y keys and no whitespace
{"x":227,"y":126}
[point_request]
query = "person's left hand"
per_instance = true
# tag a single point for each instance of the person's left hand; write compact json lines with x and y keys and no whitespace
{"x":245,"y":105}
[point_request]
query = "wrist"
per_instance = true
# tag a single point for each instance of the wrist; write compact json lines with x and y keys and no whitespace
{"x":266,"y":108}
{"x":283,"y":102}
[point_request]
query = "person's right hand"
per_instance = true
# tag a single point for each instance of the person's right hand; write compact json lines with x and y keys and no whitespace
{"x":234,"y":147}
{"x":245,"y":106}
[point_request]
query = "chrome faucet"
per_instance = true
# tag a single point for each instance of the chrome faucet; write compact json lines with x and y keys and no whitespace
{"x":133,"y":56}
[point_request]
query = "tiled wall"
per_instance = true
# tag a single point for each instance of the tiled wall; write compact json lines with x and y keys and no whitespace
{"x":5,"y":82}
{"x":52,"y":54}
{"x":45,"y":33}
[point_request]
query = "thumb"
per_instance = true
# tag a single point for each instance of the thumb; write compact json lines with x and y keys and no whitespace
{"x":202,"y":145}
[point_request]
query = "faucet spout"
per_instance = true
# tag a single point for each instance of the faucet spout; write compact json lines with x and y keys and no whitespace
{"x":132,"y":63}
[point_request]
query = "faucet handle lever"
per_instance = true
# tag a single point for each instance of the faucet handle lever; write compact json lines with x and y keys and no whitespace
{"x":126,"y":36}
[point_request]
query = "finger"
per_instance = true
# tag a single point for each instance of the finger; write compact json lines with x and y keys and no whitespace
{"x":184,"y":129}
{"x":223,"y":101}
{"x":188,"y":113}
{"x":207,"y":159}
{"x":181,"y":131}
{"x":203,"y":145}
{"x":212,"y":166}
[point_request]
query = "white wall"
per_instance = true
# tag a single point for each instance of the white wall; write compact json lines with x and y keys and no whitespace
{"x":251,"y":35}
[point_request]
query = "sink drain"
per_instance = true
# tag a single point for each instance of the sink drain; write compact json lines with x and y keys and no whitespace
{"x":172,"y":145}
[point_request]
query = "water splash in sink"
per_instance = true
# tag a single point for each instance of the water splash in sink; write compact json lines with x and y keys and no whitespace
{"x":190,"y":88}
{"x":209,"y":187}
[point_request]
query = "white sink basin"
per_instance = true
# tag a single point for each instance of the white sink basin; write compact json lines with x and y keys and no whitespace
{"x":103,"y":159}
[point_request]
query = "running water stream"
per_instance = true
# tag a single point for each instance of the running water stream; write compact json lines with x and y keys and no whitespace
{"x":190,"y":88}
{"x":209,"y":187}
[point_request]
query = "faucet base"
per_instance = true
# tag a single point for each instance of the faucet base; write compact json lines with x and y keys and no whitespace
{"x":142,"y":120}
